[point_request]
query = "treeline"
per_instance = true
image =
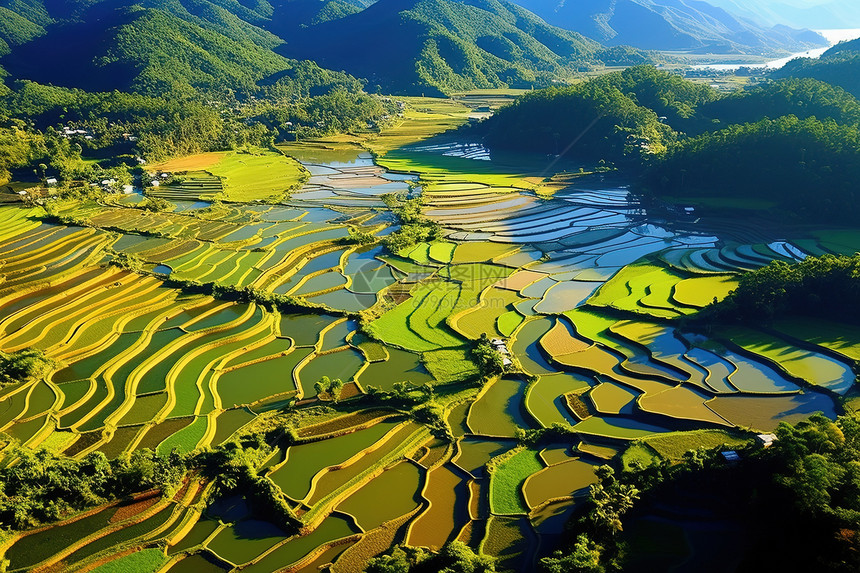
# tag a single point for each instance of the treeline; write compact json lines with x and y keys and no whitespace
{"x":808,"y":167}
{"x":840,"y":66}
{"x":22,"y":365}
{"x":117,"y":126}
{"x":798,"y":500}
{"x":41,"y":487}
{"x":597,"y":119}
{"x":821,"y":287}
{"x":793,"y":141}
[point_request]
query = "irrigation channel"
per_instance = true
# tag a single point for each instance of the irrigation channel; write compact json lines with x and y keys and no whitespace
{"x":580,"y":289}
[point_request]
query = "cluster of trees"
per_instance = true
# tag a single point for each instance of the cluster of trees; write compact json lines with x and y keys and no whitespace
{"x":41,"y":487}
{"x":803,"y":492}
{"x":823,"y":287}
{"x":414,"y":227}
{"x":454,"y":557}
{"x":339,"y":110}
{"x":591,"y":120}
{"x":234,"y":467}
{"x":806,"y":166}
{"x":802,"y":98}
{"x":435,"y":47}
{"x":329,"y":388}
{"x":795,"y":140}
{"x":490,"y":362}
{"x":596,"y":547}
{"x":840,"y":66}
{"x":22,"y":365}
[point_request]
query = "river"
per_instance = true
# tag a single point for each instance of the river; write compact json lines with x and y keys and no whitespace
{"x":832,"y":36}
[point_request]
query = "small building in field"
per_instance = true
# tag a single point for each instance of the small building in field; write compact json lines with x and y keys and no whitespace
{"x":765,"y":440}
{"x":51,"y":181}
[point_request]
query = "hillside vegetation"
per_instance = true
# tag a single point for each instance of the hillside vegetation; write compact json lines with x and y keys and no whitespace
{"x":417,"y":45}
{"x":840,"y":66}
{"x":688,"y":141}
{"x":807,"y":166}
{"x":414,"y":46}
{"x":819,"y":287}
{"x":614,"y":117}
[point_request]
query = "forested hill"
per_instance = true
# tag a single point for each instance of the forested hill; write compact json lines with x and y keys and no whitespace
{"x":408,"y":45}
{"x":416,"y":46}
{"x":620,"y":116}
{"x":840,"y":66}
{"x":151,"y":47}
{"x":794,"y":143}
{"x":669,"y":25}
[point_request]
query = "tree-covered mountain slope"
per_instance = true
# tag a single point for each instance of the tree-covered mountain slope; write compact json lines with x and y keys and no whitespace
{"x":153,"y":46}
{"x":399,"y":45}
{"x":669,"y":25}
{"x":415,"y":45}
{"x":839,"y":66}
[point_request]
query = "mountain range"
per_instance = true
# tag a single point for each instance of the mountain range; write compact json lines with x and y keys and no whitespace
{"x":407,"y":46}
{"x":815,"y":14}
{"x":690,"y":25}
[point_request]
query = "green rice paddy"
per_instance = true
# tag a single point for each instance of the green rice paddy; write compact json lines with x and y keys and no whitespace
{"x":579,"y":297}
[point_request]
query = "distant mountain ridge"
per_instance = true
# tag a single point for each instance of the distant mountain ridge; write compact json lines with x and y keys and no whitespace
{"x":398,"y":46}
{"x":822,"y":15}
{"x":669,"y":25}
{"x":417,"y":45}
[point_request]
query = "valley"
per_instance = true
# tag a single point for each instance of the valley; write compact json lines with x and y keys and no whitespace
{"x":211,"y":323}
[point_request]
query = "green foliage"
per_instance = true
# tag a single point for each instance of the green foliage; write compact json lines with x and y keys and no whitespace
{"x":19,"y":148}
{"x":165,"y":125}
{"x":127,"y":261}
{"x":839,"y":66}
{"x":820,"y":462}
{"x":234,"y":468}
{"x":454,"y":557}
{"x":807,"y":166}
{"x":534,"y":437}
{"x":155,"y":204}
{"x":22,"y":365}
{"x":624,"y":56}
{"x":823,"y":287}
{"x":440,"y":46}
{"x":433,"y":415}
{"x":611,"y":499}
{"x":325,"y":387}
{"x":802,"y":98}
{"x":585,"y":558}
{"x":358,"y":237}
{"x":414,"y":227}
{"x":42,"y":487}
{"x":599,"y":119}
{"x":490,"y":362}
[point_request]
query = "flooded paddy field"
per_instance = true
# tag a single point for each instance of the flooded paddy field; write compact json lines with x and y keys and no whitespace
{"x":234,"y":318}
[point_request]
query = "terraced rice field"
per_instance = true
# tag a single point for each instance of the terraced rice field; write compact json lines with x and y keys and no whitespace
{"x":580,"y":293}
{"x":233,"y":176}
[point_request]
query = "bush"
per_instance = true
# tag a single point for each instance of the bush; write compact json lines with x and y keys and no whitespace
{"x":25,"y":364}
